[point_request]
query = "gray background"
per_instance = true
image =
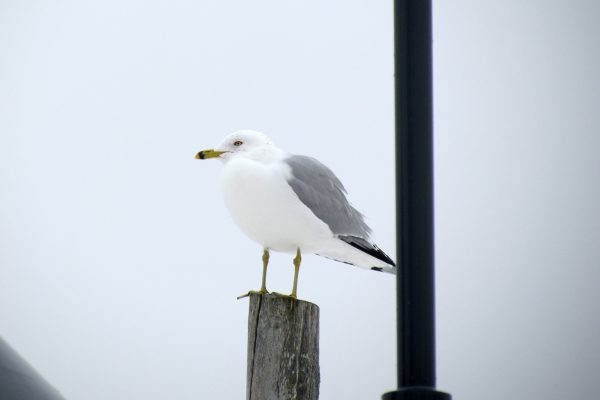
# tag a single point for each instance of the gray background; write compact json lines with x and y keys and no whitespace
{"x":119,"y":265}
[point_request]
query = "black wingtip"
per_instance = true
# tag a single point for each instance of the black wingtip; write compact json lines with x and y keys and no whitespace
{"x":369,"y":248}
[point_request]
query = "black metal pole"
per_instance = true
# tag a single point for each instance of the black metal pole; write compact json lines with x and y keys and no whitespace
{"x":414,"y":203}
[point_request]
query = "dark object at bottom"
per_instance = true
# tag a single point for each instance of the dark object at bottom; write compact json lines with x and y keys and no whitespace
{"x":19,"y":381}
{"x":416,"y":393}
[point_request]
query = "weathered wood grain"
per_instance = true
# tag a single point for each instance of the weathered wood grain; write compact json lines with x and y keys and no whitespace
{"x":283,"y":349}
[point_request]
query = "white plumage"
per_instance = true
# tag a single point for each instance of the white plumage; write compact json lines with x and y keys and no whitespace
{"x":292,"y":204}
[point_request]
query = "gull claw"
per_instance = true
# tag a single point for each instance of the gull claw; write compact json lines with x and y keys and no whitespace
{"x":289,"y":296}
{"x":259,"y":292}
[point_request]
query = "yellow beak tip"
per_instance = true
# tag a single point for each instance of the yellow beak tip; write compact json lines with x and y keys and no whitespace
{"x":210,"y":153}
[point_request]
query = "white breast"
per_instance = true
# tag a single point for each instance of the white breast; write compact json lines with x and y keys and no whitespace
{"x":266,"y":208}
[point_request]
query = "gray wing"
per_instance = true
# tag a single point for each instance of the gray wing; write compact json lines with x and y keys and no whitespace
{"x":323,"y":193}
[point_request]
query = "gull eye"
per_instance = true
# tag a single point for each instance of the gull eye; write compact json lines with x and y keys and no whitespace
{"x":237,"y":143}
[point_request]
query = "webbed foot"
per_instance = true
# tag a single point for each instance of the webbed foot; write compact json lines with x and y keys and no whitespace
{"x":259,"y":292}
{"x":289,"y":296}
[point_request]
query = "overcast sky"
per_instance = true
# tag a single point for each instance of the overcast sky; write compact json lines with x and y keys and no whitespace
{"x":119,"y":265}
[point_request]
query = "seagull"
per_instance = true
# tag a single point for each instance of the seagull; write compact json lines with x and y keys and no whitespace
{"x":292,"y":204}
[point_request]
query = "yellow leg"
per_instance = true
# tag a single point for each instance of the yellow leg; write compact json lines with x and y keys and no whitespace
{"x":263,"y":286}
{"x":297,"y":261}
{"x":265,"y":259}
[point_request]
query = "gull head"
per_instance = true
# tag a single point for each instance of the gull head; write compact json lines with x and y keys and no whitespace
{"x":246,"y":143}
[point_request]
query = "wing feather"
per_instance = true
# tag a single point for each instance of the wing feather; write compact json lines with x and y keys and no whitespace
{"x":323,"y":193}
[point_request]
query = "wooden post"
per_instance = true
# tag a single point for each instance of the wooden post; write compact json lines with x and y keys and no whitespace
{"x":283,"y":349}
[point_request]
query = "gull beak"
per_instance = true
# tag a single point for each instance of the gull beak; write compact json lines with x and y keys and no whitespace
{"x":209,"y":153}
